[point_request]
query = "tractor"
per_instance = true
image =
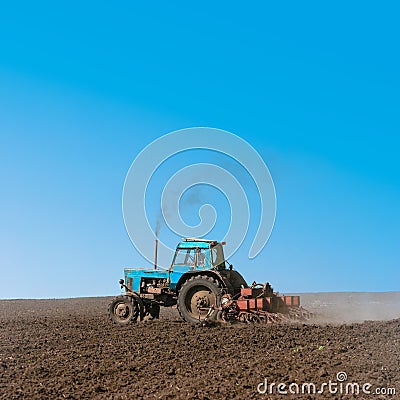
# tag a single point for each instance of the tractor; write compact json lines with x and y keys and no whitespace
{"x":204,"y":287}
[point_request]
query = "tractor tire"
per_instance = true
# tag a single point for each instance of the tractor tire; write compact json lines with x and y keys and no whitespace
{"x":123,"y":310}
{"x":199,"y":299}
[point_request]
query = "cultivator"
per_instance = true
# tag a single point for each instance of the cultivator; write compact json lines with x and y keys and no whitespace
{"x":259,"y":304}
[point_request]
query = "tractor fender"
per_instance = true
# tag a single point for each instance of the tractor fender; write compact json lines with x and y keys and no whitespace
{"x":225,"y":284}
{"x":234,"y":278}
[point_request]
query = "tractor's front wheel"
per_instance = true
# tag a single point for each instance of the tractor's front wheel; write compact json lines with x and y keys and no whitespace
{"x":123,"y":310}
{"x":199,"y":299}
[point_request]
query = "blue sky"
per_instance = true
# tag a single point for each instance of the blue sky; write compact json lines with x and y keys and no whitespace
{"x":314,"y":87}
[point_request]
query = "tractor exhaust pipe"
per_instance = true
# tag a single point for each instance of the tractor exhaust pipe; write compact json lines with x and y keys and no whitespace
{"x":156,"y":253}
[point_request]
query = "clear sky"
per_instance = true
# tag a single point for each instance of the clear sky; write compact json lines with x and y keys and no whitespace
{"x":85,"y":86}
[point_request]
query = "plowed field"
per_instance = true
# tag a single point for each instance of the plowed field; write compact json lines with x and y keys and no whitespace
{"x":68,"y":349}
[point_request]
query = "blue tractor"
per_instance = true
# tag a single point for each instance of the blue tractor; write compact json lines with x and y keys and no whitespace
{"x":204,"y":287}
{"x":198,"y":277}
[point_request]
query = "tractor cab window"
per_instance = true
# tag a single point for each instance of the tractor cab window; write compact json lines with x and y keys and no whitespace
{"x":185,"y":257}
{"x":218,"y":259}
{"x":201,"y":257}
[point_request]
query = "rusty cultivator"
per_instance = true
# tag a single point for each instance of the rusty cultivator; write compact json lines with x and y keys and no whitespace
{"x":261,"y":305}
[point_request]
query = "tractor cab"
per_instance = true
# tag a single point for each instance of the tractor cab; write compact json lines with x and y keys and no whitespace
{"x":198,"y":254}
{"x":192,"y":256}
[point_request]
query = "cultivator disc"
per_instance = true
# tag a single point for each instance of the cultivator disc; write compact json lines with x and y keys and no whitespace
{"x":265,"y":317}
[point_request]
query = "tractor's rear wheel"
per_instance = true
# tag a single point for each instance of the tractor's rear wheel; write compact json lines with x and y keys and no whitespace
{"x":123,"y":310}
{"x":199,"y":298}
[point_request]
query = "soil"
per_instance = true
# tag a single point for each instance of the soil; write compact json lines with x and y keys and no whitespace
{"x":68,"y":349}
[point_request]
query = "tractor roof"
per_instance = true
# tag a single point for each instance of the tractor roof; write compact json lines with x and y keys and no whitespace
{"x":199,"y":240}
{"x":194,"y":242}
